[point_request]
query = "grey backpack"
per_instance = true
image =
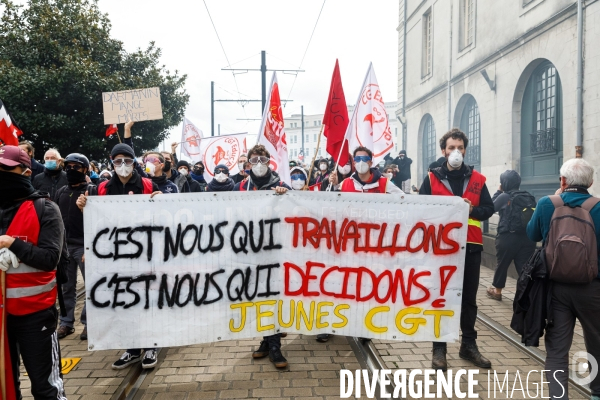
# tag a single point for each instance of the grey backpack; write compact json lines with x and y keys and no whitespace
{"x":571,"y":247}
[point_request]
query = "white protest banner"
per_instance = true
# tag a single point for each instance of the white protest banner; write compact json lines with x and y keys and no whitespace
{"x":131,"y":105}
{"x":272,"y":133}
{"x":225,"y":149}
{"x":185,"y":269}
{"x":369,"y":125}
{"x":191,"y":138}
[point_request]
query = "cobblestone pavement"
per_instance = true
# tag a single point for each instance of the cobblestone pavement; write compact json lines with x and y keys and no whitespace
{"x":226,"y":370}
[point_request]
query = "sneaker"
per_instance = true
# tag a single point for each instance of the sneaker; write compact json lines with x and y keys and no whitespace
{"x":84,"y":334}
{"x":126,"y":360}
{"x":323,"y":337}
{"x":150,"y":359}
{"x":64,"y":331}
{"x":262,"y":351}
{"x":277,"y":358}
{"x":492,"y":294}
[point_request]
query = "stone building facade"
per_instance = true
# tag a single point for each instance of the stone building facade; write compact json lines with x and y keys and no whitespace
{"x":505,"y":72}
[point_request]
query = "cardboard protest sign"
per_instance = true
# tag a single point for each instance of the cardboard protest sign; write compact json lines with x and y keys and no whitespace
{"x":131,"y":105}
{"x":186,"y":269}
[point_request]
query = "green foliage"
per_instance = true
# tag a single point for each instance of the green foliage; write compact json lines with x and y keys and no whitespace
{"x":56,"y":59}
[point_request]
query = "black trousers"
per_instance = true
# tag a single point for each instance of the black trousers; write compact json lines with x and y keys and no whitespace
{"x":570,"y":302}
{"x":511,"y":247}
{"x":468,"y":309}
{"x":273,"y":340}
{"x":34,"y":338}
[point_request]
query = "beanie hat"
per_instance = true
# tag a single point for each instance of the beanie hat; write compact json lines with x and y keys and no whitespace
{"x":183,"y":163}
{"x":122,"y":148}
{"x":222,"y":166}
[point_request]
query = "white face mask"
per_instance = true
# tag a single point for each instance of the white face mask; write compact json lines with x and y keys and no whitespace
{"x":388,"y":175}
{"x":183,"y":171}
{"x":260,"y":169}
{"x":150,"y":169}
{"x":455,"y":159}
{"x":221,"y":177}
{"x":241,"y":166}
{"x":125,"y":170}
{"x":323,"y":167}
{"x":345,"y":170}
{"x":362,"y":167}
{"x":298,"y":184}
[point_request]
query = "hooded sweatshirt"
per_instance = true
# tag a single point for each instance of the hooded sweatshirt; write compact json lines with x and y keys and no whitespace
{"x":510,"y":180}
{"x":299,"y":169}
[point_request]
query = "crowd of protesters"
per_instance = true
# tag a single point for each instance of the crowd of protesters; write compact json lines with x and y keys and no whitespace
{"x":57,"y":191}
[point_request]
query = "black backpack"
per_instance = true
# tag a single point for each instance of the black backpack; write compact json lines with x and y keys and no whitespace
{"x":519,"y":210}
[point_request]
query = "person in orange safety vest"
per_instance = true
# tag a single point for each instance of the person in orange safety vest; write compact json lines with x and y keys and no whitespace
{"x":455,"y":178}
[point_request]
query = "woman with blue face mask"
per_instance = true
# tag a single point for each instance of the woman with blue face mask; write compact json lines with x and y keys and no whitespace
{"x":53,"y":177}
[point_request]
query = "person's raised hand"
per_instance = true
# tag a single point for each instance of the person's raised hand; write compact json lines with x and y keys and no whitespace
{"x":82,"y":200}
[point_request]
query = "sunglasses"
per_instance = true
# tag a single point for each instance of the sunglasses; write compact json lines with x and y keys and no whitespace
{"x":119,"y":161}
{"x":362,"y":158}
{"x":220,"y":171}
{"x":152,"y":159}
{"x":259,"y":159}
{"x":73,"y":167}
{"x":298,"y":177}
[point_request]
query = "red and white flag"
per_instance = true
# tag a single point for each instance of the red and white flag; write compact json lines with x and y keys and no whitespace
{"x":111,"y":130}
{"x":191,"y":138}
{"x":225,"y":150}
{"x":272,"y":133}
{"x":335,"y":120}
{"x":9,"y":131}
{"x":369,"y":125}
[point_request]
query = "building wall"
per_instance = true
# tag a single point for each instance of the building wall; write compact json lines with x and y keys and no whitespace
{"x":510,"y":41}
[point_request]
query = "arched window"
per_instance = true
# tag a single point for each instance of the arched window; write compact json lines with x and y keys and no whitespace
{"x":471,"y":126}
{"x":429,"y":142}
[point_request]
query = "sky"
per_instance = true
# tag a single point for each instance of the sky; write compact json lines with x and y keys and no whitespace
{"x":354,"y":31}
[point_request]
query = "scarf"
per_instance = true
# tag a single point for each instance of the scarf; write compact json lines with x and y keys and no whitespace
{"x":14,"y":187}
{"x":216,"y":186}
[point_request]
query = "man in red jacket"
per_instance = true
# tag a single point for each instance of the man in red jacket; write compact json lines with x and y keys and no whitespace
{"x":31,"y":243}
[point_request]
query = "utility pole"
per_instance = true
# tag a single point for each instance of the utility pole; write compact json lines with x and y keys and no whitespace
{"x":302,"y":125}
{"x":263,"y":70}
{"x":212,"y":108}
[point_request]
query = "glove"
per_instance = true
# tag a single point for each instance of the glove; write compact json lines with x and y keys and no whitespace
{"x":8,"y":259}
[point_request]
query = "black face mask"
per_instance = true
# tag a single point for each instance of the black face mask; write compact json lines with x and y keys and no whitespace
{"x":75,"y":177}
{"x":198,"y":171}
{"x":167,"y":166}
{"x":14,"y":187}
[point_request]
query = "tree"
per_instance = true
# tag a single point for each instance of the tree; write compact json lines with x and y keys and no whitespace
{"x":56,"y":59}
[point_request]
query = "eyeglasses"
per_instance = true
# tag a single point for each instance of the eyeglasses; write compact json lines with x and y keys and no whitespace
{"x":76,"y":167}
{"x":362,"y":158}
{"x":259,"y":159}
{"x":298,"y":177}
{"x":152,"y":159}
{"x":220,"y":171}
{"x":119,"y":161}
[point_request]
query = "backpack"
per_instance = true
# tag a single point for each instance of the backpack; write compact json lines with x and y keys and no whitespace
{"x":519,"y":210}
{"x":571,"y":247}
{"x":62,"y":276}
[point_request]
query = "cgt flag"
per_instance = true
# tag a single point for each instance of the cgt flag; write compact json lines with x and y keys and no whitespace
{"x":369,"y":125}
{"x":9,"y":131}
{"x":335,"y":120}
{"x":191,"y":138}
{"x":111,"y":130}
{"x":272,"y":133}
{"x":225,"y":150}
{"x":301,"y":155}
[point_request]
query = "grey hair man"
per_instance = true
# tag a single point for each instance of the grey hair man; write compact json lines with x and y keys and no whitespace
{"x":570,"y":301}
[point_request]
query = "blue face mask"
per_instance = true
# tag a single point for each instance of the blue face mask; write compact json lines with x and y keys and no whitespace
{"x":51,"y":165}
{"x":93,"y":175}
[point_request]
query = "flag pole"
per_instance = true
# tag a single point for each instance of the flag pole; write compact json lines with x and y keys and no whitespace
{"x":314,"y":158}
{"x":2,"y":336}
{"x":118,"y":136}
{"x":337,"y":163}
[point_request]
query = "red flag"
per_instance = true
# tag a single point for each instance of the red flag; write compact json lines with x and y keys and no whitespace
{"x":9,"y":131}
{"x":111,"y":130}
{"x":316,"y":187}
{"x":336,"y":119}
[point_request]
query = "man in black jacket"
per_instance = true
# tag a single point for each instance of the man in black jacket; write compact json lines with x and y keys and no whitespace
{"x":32,"y":242}
{"x":240,"y":176}
{"x":456,"y":178}
{"x":76,"y":167}
{"x":402,"y":178}
{"x":53,"y":177}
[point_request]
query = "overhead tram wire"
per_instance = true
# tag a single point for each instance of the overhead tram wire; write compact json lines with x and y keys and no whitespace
{"x":224,"y":53}
{"x":306,"y":50}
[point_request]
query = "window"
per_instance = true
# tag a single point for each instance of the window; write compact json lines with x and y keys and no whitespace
{"x":467,"y":20}
{"x":315,"y":137}
{"x":307,"y":138}
{"x":471,"y":126}
{"x":429,"y":143}
{"x":427,"y":44}
{"x":319,"y":152}
{"x":545,"y":136}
